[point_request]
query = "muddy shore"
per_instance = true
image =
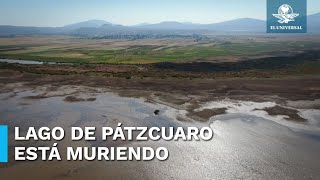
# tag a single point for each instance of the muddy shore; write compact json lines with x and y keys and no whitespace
{"x":186,"y":94}
{"x":292,"y":87}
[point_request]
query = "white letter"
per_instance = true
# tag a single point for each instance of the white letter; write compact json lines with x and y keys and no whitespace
{"x":74,"y":131}
{"x":193,"y":132}
{"x":19,"y":154}
{"x":44,"y":133}
{"x":71,"y":155}
{"x":165,"y":151}
{"x":145,"y":152}
{"x":106,"y":131}
{"x":202,"y":133}
{"x":54,"y":133}
{"x":89,"y":134}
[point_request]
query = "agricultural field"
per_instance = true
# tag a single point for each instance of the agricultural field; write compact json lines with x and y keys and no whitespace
{"x":213,"y":49}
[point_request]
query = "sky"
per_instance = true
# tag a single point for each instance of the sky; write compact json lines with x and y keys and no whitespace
{"x":56,"y":13}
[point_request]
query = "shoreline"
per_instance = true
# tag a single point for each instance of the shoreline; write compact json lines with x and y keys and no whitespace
{"x":187,"y":95}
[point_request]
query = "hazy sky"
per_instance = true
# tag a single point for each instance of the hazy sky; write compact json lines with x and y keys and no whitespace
{"x":130,"y":12}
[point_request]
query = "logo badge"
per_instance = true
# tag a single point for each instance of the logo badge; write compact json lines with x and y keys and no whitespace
{"x":286,"y":16}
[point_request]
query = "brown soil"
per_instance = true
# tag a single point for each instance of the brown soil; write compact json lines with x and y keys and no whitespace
{"x":206,"y":114}
{"x":76,"y":99}
{"x":291,"y":113}
{"x":180,"y":91}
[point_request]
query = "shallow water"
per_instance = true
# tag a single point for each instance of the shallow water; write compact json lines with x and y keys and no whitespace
{"x":246,"y":144}
{"x":13,"y":61}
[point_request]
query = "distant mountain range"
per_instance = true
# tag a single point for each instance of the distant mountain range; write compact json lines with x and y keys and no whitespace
{"x":90,"y":24}
{"x":101,"y":28}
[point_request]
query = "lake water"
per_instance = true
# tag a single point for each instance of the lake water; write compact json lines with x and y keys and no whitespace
{"x":12,"y":61}
{"x":245,"y":145}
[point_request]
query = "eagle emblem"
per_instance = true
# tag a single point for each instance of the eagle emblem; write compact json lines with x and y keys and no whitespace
{"x":285,"y":14}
